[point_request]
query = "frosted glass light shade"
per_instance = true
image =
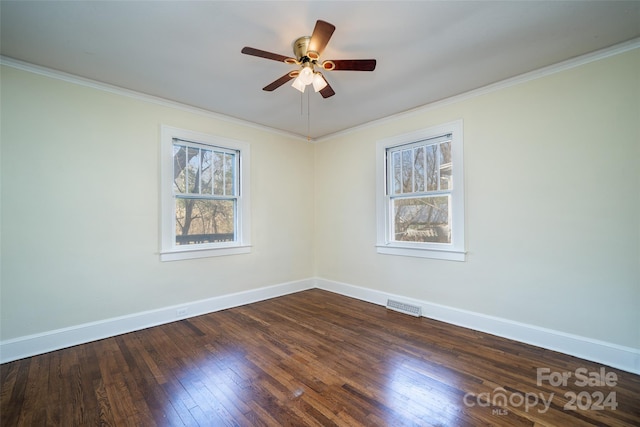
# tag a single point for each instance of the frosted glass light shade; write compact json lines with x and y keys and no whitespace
{"x":297,"y":83}
{"x":306,"y":75}
{"x":319,"y":82}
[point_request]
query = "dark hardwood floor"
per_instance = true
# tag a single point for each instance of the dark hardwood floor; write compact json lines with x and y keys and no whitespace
{"x":313,"y":358}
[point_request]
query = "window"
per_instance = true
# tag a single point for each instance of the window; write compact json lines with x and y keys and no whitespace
{"x":204,"y":195}
{"x":420,"y":194}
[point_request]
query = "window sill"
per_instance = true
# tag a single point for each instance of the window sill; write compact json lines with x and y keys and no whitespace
{"x":176,"y":255}
{"x":445,"y":254}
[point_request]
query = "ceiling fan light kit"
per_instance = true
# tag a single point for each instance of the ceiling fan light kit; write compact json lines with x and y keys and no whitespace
{"x":307,"y":51}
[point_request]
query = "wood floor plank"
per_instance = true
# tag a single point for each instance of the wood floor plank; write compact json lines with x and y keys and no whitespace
{"x":14,"y":382}
{"x":312,"y":358}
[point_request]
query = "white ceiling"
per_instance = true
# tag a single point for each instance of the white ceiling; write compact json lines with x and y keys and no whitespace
{"x":189,"y":52}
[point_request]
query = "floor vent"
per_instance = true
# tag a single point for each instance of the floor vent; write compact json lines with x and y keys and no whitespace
{"x":413,"y":310}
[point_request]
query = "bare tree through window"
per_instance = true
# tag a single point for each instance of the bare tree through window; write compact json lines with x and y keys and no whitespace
{"x":204,"y":185}
{"x":420,"y":185}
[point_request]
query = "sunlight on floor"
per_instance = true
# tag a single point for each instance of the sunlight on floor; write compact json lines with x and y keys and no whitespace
{"x":415,"y":394}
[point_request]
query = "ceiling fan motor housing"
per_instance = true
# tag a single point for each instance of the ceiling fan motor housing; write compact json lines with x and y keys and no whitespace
{"x":302,"y":52}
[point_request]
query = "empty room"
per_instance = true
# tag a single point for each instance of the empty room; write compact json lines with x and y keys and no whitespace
{"x":320,"y":213}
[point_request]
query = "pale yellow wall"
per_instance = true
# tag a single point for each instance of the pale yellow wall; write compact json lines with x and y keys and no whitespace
{"x":80,"y":199}
{"x":552,"y":206}
{"x":552,"y":171}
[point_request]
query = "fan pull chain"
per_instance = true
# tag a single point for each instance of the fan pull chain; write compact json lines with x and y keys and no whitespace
{"x":308,"y":116}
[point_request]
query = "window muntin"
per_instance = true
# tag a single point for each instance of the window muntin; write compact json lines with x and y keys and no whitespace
{"x":420,"y":194}
{"x":204,"y":195}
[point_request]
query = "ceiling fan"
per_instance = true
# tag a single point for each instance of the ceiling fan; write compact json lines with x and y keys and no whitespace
{"x":307,"y":51}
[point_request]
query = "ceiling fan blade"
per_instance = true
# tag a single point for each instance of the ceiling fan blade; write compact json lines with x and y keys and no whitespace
{"x":276,"y":84}
{"x":320,"y":37}
{"x":327,"y":91}
{"x":268,"y":55}
{"x":350,"y":64}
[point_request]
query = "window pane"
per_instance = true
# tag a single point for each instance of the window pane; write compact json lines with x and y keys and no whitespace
{"x":218,"y":173}
{"x":179,"y":163}
{"x":204,"y":221}
{"x":397,"y":173}
{"x":432,"y":167}
{"x":422,"y":219}
{"x":418,"y":167}
{"x":229,"y":173}
{"x":206,"y":172}
{"x":407,"y":171}
{"x":193,"y":170}
{"x":446,"y":182}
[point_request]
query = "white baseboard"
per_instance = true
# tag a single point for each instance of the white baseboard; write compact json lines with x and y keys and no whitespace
{"x":32,"y":345}
{"x":625,"y":358}
{"x":617,"y":356}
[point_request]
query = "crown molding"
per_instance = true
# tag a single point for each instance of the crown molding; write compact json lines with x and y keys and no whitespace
{"x":513,"y":81}
{"x":117,"y":90}
{"x":522,"y":78}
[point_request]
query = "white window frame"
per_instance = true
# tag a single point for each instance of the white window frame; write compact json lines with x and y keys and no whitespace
{"x":169,"y":251}
{"x":455,"y":250}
